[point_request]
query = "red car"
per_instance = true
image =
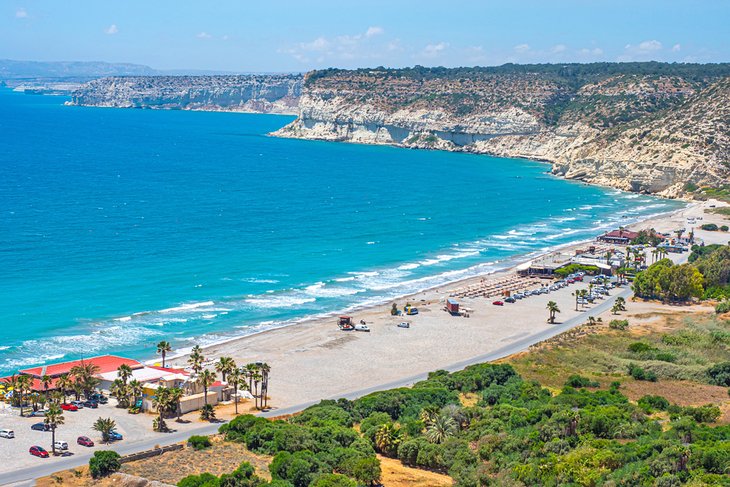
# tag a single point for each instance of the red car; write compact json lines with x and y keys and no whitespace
{"x":69,"y":407}
{"x":37,"y":451}
{"x":498,"y":303}
{"x":84,"y":441}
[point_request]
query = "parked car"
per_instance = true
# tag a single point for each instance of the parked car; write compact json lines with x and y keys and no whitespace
{"x":510,"y":299}
{"x":40,"y":427}
{"x":100,"y":398}
{"x":5,"y":433}
{"x":60,"y":445}
{"x":69,"y":407}
{"x":37,"y":451}
{"x":404,"y":324}
{"x":362,"y":327}
{"x":518,"y":295}
{"x":498,"y":303}
{"x":114,"y":436}
{"x":78,"y":404}
{"x":91,"y":404}
{"x":412,"y":311}
{"x":84,"y":441}
{"x":37,"y":414}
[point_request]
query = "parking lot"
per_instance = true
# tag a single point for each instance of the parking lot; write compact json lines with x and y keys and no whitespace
{"x":133,"y":427}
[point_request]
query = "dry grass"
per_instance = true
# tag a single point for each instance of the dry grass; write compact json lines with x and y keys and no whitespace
{"x":395,"y":474}
{"x":222,"y":457}
{"x":469,"y":399}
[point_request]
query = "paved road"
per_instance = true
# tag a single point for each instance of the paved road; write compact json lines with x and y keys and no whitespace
{"x":26,"y":476}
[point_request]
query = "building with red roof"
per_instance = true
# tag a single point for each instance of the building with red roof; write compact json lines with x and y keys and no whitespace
{"x":104,"y":363}
{"x":619,"y":236}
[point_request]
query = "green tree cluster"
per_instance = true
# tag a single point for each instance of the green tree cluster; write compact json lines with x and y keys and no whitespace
{"x":669,"y":282}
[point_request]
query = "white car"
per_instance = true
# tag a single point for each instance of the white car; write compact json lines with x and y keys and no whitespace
{"x":61,"y":445}
{"x":4,"y":433}
{"x":404,"y":324}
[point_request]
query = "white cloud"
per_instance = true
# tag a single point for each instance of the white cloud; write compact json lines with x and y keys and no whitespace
{"x":434,"y":50}
{"x":203,"y":35}
{"x":374,"y":31}
{"x":652,"y":45}
{"x":596,"y":51}
{"x":521,"y":48}
{"x":111,"y":30}
{"x":558,"y":48}
{"x":676,"y":48}
{"x":21,"y":13}
{"x":645,"y":50}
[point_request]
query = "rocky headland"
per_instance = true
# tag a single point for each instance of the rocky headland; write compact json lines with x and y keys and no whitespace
{"x":644,"y":127}
{"x":243,"y":93}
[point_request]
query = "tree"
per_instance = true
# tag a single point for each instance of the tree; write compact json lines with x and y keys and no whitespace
{"x":46,"y":381}
{"x":84,"y":377}
{"x":224,"y":366}
{"x":206,"y":378}
{"x":120,"y":390}
{"x":237,"y":380}
{"x":63,"y":384}
{"x":22,"y":386}
{"x":196,"y":359}
{"x":387,"y":438}
{"x":552,"y":308}
{"x":104,"y":426}
{"x":440,"y":429}
{"x":265,"y":369}
{"x":618,"y":305}
{"x":104,"y":463}
{"x":53,"y":418}
{"x":176,"y":395}
{"x":161,"y":401}
{"x":163,"y":348}
{"x":124,"y":372}
{"x":251,"y":370}
{"x":367,"y":470}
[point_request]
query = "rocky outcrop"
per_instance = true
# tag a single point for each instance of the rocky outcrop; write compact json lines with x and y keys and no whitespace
{"x":644,"y":127}
{"x":243,"y":93}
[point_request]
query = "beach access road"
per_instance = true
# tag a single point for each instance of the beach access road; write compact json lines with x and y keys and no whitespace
{"x":26,"y":475}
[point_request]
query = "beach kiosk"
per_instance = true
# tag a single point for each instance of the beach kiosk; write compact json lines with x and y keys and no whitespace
{"x":452,"y":306}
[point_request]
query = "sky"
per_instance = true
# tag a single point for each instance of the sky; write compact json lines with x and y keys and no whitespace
{"x":293,"y":36}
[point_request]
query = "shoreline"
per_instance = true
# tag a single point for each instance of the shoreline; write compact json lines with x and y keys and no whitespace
{"x":318,"y":360}
{"x":514,"y":262}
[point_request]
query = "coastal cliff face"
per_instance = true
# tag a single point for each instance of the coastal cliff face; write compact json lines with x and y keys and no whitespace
{"x":644,"y":127}
{"x":243,"y":93}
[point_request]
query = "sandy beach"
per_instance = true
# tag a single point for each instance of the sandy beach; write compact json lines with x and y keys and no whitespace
{"x":314,"y":359}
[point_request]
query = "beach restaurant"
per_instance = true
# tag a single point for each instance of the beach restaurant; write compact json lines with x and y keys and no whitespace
{"x":620,"y":236}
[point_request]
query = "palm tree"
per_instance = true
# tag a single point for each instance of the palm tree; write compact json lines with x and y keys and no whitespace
{"x":224,"y":366}
{"x":22,"y":386}
{"x":206,"y":378}
{"x":134,"y":389}
{"x":552,"y":307}
{"x":63,"y":384}
{"x":265,"y":369}
{"x":85,"y":379}
{"x":428,"y":414}
{"x":387,"y":438}
{"x":46,"y":380}
{"x":120,"y":390}
{"x":196,"y":359}
{"x":176,"y":395}
{"x":237,"y":379}
{"x":162,"y":402}
{"x":124,"y":372}
{"x":53,"y":418}
{"x":619,"y":305}
{"x":256,"y":381}
{"x":250,"y":370}
{"x":104,"y":426}
{"x":162,"y":348}
{"x":441,"y":428}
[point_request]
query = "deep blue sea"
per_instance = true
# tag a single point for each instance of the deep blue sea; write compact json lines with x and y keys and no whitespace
{"x":119,"y":227}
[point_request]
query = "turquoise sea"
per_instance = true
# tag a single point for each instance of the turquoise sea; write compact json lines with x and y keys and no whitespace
{"x":119,"y":228}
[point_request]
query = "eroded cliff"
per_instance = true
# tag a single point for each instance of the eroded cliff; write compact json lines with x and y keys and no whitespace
{"x":645,"y":127}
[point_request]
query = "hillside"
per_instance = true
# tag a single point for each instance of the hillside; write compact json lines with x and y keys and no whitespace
{"x":645,"y":127}
{"x":246,"y":93}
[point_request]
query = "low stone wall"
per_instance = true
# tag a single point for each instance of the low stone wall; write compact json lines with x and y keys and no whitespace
{"x":151,"y":453}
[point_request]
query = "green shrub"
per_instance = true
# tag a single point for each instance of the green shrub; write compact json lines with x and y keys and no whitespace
{"x":708,"y":413}
{"x":640,"y":347}
{"x":578,"y":382}
{"x":724,"y":228}
{"x":719,"y":374}
{"x":333,"y":480}
{"x":203,"y":480}
{"x":650,"y":403}
{"x":639,"y":373}
{"x":665,"y":357}
{"x":199,"y":442}
{"x":618,"y":324}
{"x":104,"y":463}
{"x":723,"y":307}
